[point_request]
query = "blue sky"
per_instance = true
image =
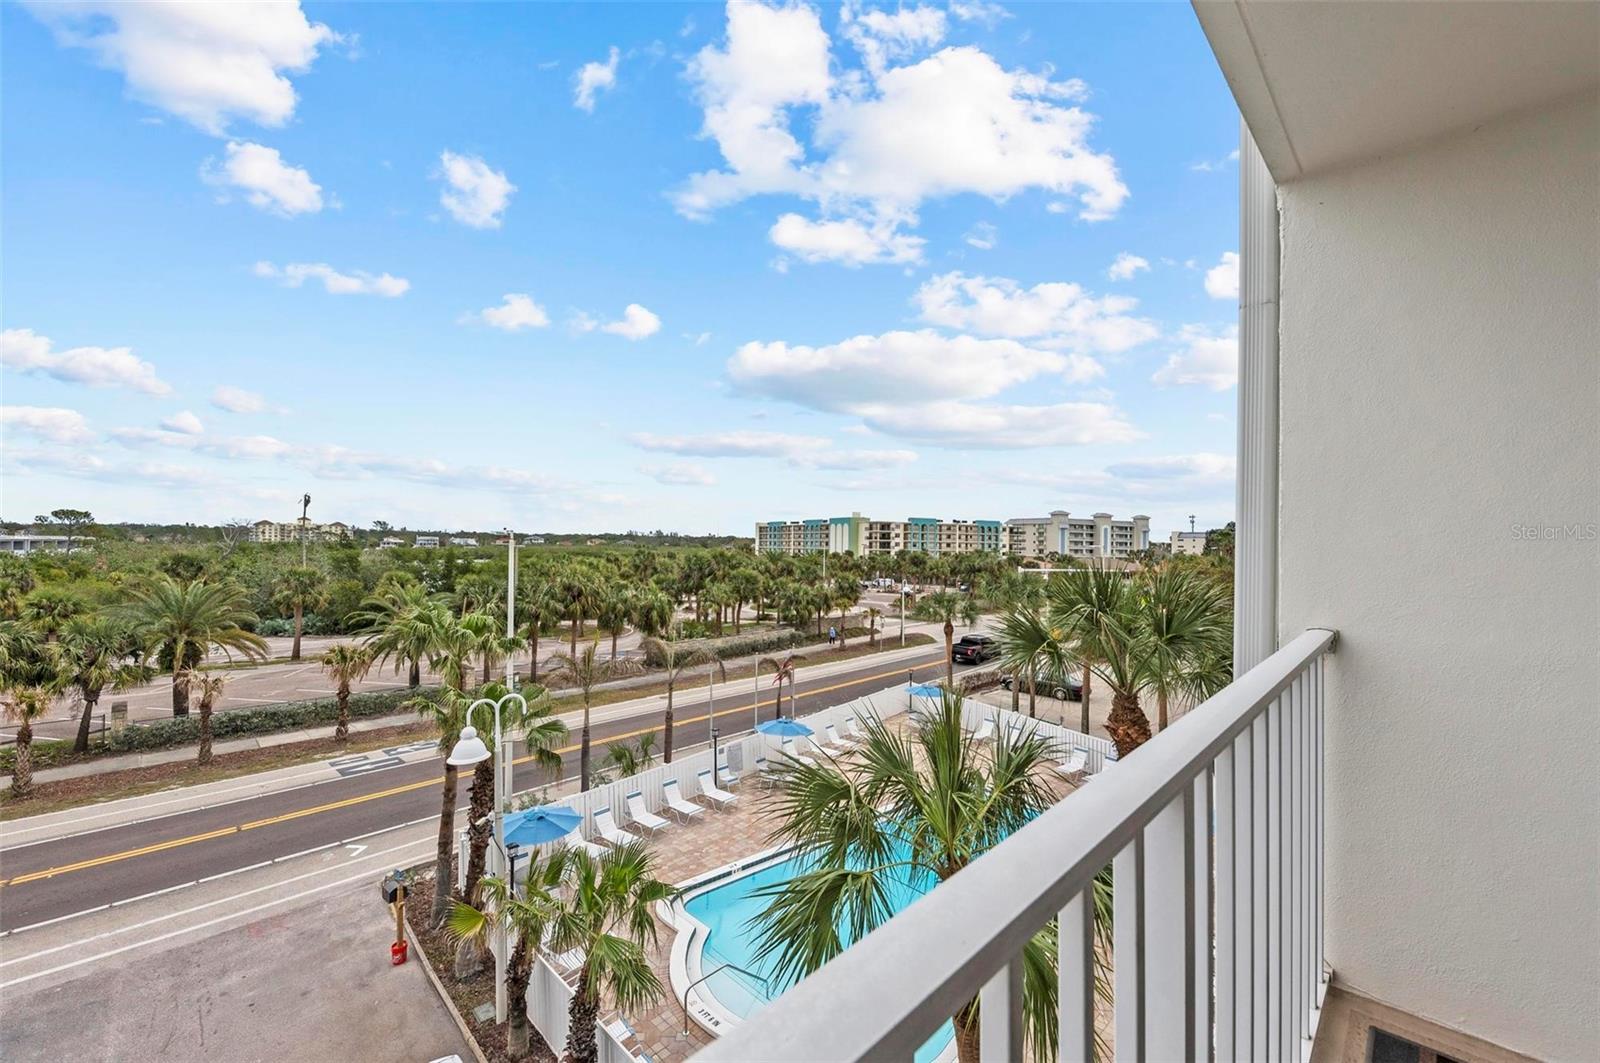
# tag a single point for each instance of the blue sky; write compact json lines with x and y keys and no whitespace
{"x":616,"y":266}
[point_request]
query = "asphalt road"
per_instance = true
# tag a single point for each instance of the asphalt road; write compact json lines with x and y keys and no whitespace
{"x":57,"y":878}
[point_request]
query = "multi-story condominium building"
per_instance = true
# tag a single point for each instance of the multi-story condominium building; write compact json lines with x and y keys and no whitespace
{"x":463,"y":540}
{"x":1100,"y":535}
{"x":1060,"y":533}
{"x":1189,"y":542}
{"x":292,"y":531}
{"x":33,"y":544}
{"x":426,"y":541}
{"x":1328,"y":859}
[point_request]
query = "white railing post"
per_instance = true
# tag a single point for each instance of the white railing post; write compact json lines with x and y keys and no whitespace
{"x":1000,"y":1026}
{"x":1260,"y":910}
{"x":1127,"y":946}
{"x":1228,"y":855}
{"x":1167,"y":961}
{"x":1075,"y":964}
{"x":1202,"y":928}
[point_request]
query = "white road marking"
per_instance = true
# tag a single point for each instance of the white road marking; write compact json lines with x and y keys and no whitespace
{"x":357,"y":850}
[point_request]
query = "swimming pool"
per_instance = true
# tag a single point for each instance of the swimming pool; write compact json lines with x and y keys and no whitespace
{"x":726,"y":911}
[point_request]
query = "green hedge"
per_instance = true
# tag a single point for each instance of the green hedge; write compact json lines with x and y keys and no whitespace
{"x":185,"y":730}
{"x":739,"y":645}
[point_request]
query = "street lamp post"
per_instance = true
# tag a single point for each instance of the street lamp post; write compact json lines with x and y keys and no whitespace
{"x":469,"y":751}
{"x":904,"y":587}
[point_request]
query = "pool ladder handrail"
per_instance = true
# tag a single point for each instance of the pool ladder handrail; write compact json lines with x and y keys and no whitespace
{"x":690,"y":987}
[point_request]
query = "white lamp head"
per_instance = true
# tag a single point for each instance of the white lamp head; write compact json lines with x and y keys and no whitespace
{"x":468,"y":750}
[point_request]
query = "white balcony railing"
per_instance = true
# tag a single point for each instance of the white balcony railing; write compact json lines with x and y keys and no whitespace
{"x":1214,"y":834}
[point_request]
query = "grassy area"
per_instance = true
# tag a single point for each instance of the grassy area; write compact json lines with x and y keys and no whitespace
{"x":132,"y":782}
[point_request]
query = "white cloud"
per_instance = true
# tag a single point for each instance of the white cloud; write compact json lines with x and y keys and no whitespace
{"x":1126,"y":265}
{"x":475,"y":194}
{"x":897,"y":366}
{"x":1193,"y":469}
{"x":679,"y":474}
{"x":594,"y":78}
{"x":1222,"y":280}
{"x":184,"y":421}
{"x":983,"y":236}
{"x":808,"y":452}
{"x":847,"y":241}
{"x":98,"y":367}
{"x":51,"y":423}
{"x":882,"y":35}
{"x":884,"y":142}
{"x":636,"y":323}
{"x":268,"y":183}
{"x":1055,"y":206}
{"x":1213,"y":165}
{"x":978,"y":11}
{"x":205,"y":62}
{"x":515,"y":312}
{"x":964,"y":425}
{"x":1207,"y":359}
{"x":357,"y":282}
{"x":1058,"y":313}
{"x":237,"y":400}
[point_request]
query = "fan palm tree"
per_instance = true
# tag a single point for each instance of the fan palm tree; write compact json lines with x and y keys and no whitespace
{"x":903,"y":809}
{"x":402,"y":622}
{"x":493,"y":645}
{"x":210,"y":688}
{"x":447,"y":712}
{"x":22,"y":705}
{"x":584,"y":670}
{"x":1188,"y":626}
{"x":846,"y":592}
{"x":613,"y":609}
{"x":874,"y":614}
{"x":540,"y":607}
{"x":1028,"y":647}
{"x":630,"y":758}
{"x":605,"y":911}
{"x":48,"y":609}
{"x":182,"y":622}
{"x":346,"y":663}
{"x":298,"y":589}
{"x":652,"y":611}
{"x":674,"y":662}
{"x":541,"y":732}
{"x":578,"y":591}
{"x":94,"y":652}
{"x":944,"y":606}
{"x":525,"y":919}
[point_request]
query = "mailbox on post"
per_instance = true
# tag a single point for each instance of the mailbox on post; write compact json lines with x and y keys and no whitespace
{"x":393,"y":888}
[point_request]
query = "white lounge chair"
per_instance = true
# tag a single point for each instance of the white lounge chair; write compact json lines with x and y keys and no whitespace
{"x":789,"y":749}
{"x":727,"y":777}
{"x":716,"y":794}
{"x":606,"y":826}
{"x":675,"y":802}
{"x":985,"y":731}
{"x":575,"y":840}
{"x":836,"y":742}
{"x":642,"y":816}
{"x":1074,"y":765}
{"x":764,"y":773}
{"x":854,"y":731}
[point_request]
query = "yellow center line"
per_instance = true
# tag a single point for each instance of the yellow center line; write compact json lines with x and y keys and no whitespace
{"x":129,"y":854}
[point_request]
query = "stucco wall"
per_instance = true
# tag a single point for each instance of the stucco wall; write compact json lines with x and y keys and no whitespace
{"x":1440,"y":396}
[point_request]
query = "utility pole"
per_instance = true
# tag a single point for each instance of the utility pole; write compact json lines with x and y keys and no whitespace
{"x":305,"y":527}
{"x":511,"y":605}
{"x":1191,"y":524}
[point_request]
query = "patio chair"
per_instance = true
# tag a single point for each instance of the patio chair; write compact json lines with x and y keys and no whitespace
{"x":576,"y":841}
{"x":854,"y":731}
{"x":642,"y":816}
{"x":985,"y":731}
{"x":792,"y":751}
{"x":710,"y":790}
{"x":606,"y":826}
{"x":836,"y":743}
{"x":764,"y":773}
{"x":1074,"y":764}
{"x":675,"y":802}
{"x":727,"y":777}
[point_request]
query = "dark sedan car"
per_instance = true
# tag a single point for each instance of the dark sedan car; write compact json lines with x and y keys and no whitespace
{"x":974,"y":649}
{"x":1062,"y":688}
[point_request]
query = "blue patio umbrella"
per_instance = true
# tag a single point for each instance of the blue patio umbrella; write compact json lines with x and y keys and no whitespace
{"x":784,"y":728}
{"x":535,"y":826}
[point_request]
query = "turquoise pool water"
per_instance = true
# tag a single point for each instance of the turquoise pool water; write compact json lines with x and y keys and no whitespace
{"x":728,"y":910}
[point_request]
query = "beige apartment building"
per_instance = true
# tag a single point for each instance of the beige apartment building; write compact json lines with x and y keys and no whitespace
{"x":1100,"y":535}
{"x":289,"y":531}
{"x":1189,"y":542}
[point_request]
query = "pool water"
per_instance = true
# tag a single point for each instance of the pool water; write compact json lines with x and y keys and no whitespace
{"x":729,"y":911}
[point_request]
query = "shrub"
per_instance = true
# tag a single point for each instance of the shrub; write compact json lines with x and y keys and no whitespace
{"x":740,"y":645}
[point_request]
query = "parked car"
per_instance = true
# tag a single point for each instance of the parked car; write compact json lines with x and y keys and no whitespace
{"x":974,"y":649}
{"x":1062,"y":688}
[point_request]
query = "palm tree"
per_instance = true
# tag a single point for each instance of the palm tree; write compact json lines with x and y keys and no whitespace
{"x":1028,"y":646}
{"x":1188,"y":626}
{"x":210,"y":690}
{"x":846,"y":592}
{"x":447,"y":712}
{"x":674,"y":662}
{"x":630,"y":758}
{"x":606,"y":912}
{"x":525,"y":919}
{"x":578,"y":591}
{"x":944,"y":606}
{"x":23,"y":705}
{"x":613,"y":609}
{"x":782,"y":668}
{"x":403,"y":622}
{"x":346,"y":663}
{"x":539,"y":605}
{"x":746,"y":586}
{"x":1015,"y":592}
{"x":541,"y":731}
{"x":94,"y":652}
{"x":651,"y":611}
{"x":935,"y":800}
{"x":181,"y":622}
{"x":492,"y":644}
{"x":874,"y":614}
{"x":50,"y":607}
{"x":298,"y":589}
{"x":584,"y":670}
